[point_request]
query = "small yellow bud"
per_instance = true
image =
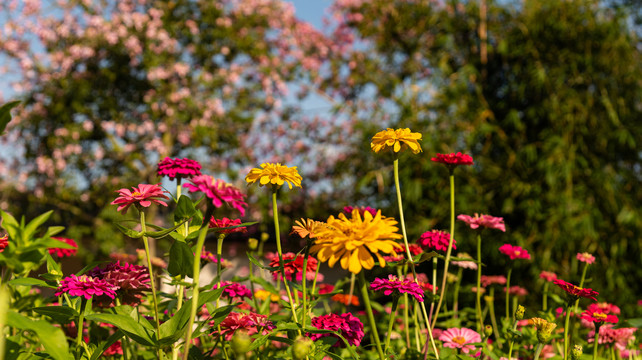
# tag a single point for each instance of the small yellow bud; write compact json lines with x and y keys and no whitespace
{"x":519,"y":313}
{"x":253,"y":243}
{"x":488,"y":330}
{"x":576,"y":352}
{"x":265,"y":237}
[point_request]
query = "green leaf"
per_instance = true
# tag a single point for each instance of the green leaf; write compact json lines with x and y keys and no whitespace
{"x":185,"y":209}
{"x":135,"y":330}
{"x":261,"y":340}
{"x":5,"y":114}
{"x":60,"y":314}
{"x":10,"y":224}
{"x":51,"y":337}
{"x":287,"y":326}
{"x":174,"y":327}
{"x":34,"y":224}
{"x":164,"y":232}
{"x":331,"y":355}
{"x":107,"y":343}
{"x":426,"y":257}
{"x":30,"y":282}
{"x":181,"y":259}
{"x":129,"y":232}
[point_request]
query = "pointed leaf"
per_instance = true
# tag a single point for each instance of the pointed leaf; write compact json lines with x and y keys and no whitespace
{"x":60,"y":314}
{"x":10,"y":224}
{"x":128,"y":325}
{"x":33,"y":225}
{"x":103,"y":346}
{"x":5,"y":114}
{"x":181,"y":259}
{"x":185,"y":209}
{"x":129,"y":232}
{"x":164,"y":232}
{"x":51,"y":337}
{"x":174,"y":327}
{"x":29,"y":282}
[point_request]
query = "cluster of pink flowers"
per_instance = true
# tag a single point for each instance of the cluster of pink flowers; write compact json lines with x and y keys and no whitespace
{"x":233,"y":290}
{"x":251,"y":323}
{"x":218,"y":191}
{"x":293,"y":267}
{"x":346,"y":324}
{"x":178,"y":168}
{"x":436,"y":240}
{"x":460,"y":338}
{"x":395,"y":286}
{"x":514,"y":252}
{"x":609,"y":335}
{"x":86,"y":286}
{"x":225,"y":223}
{"x":362,"y":210}
{"x":586,"y":258}
{"x":60,"y":252}
{"x":143,"y":195}
{"x":130,"y":282}
{"x":486,"y":221}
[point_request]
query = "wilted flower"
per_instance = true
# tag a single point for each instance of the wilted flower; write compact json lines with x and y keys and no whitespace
{"x":548,"y":276}
{"x":395,"y":286}
{"x":130,"y":281}
{"x":293,"y":267}
{"x":487,"y":221}
{"x":143,"y":195}
{"x":233,"y":290}
{"x":586,"y":258}
{"x":396,"y":140}
{"x":460,"y":338}
{"x":251,"y":323}
{"x":436,"y":240}
{"x":85,"y":286}
{"x":346,"y":299}
{"x":178,"y":168}
{"x":576,"y":292}
{"x":275,"y":174}
{"x":218,"y":191}
{"x":60,"y":252}
{"x":544,"y":329}
{"x":225,"y":223}
{"x":514,"y":252}
{"x":362,"y":209}
{"x":346,"y":324}
{"x":452,"y":160}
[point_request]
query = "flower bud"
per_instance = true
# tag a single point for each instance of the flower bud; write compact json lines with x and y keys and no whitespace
{"x":253,"y":243}
{"x":241,"y":342}
{"x":576,"y":352}
{"x":519,"y":313}
{"x":301,"y":348}
{"x":488,"y":330}
{"x":265,"y":237}
{"x":544,"y":329}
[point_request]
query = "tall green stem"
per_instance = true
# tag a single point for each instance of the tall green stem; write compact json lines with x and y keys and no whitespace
{"x":512,"y":341}
{"x":577,"y":302}
{"x":460,"y":273}
{"x":304,"y":281}
{"x":566,"y":322}
{"x":444,"y":283}
{"x":545,"y":297}
{"x":480,"y":322}
{"x":493,"y":319}
{"x":510,"y":272}
{"x":393,"y":315}
{"x":143,"y":227}
{"x":405,"y":310}
{"x":595,"y":342}
{"x":79,"y":327}
{"x":373,"y":324}
{"x":538,"y":350}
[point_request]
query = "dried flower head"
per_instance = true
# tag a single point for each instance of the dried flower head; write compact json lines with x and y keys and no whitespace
{"x":396,"y":140}
{"x":178,"y":168}
{"x":142,"y":196}
{"x":460,"y":338}
{"x":436,"y":240}
{"x":514,"y":252}
{"x":218,"y":191}
{"x":61,"y":252}
{"x":85,"y":286}
{"x":486,"y":221}
{"x":345,"y":324}
{"x":395,"y":286}
{"x":275,"y":174}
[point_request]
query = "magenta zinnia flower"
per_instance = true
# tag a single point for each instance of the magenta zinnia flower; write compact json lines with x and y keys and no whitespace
{"x":251,"y":323}
{"x":131,"y":281}
{"x":85,"y":286}
{"x":4,"y":242}
{"x":346,"y":324}
{"x":233,"y":290}
{"x":218,"y":191}
{"x":548,"y":276}
{"x":514,"y":252}
{"x":576,"y":292}
{"x":586,"y":258}
{"x":604,"y":307}
{"x":224,"y":223}
{"x":436,"y":240}
{"x":60,"y":252}
{"x":178,"y":168}
{"x":460,"y":338}
{"x":487,"y":221}
{"x":394,"y":286}
{"x":143,"y":195}
{"x":598,"y":317}
{"x":620,"y":337}
{"x":452,"y":160}
{"x":362,"y":210}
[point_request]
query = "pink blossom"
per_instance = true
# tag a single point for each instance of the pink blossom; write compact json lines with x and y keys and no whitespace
{"x":178,"y":168}
{"x":251,"y":323}
{"x":60,"y":252}
{"x":4,"y":242}
{"x":218,"y":191}
{"x":85,"y":286}
{"x":465,"y":263}
{"x":548,"y":276}
{"x":453,"y":159}
{"x":586,"y":258}
{"x":617,"y":337}
{"x":460,"y":338}
{"x":436,"y":239}
{"x":293,"y":267}
{"x":348,"y":210}
{"x":517,"y":291}
{"x":346,"y":324}
{"x":225,"y":223}
{"x":394,"y":286}
{"x":487,"y":221}
{"x":514,"y":252}
{"x":487,"y":280}
{"x":130,"y":281}
{"x":234,"y":290}
{"x":143,"y":195}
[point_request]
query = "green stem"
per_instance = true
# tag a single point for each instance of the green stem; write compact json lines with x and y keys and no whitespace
{"x":79,"y":327}
{"x":460,"y":273}
{"x":314,"y":283}
{"x":577,"y":302}
{"x":219,"y":257}
{"x":444,"y":283}
{"x":304,"y":283}
{"x":148,"y":255}
{"x":393,"y":315}
{"x":480,"y":322}
{"x":595,"y":342}
{"x":538,"y":351}
{"x":545,"y":297}
{"x":566,"y":322}
{"x":179,"y":304}
{"x":512,"y":342}
{"x":493,"y":318}
{"x":417,"y":326}
{"x":510,"y":272}
{"x":373,"y":324}
{"x":434,"y":288}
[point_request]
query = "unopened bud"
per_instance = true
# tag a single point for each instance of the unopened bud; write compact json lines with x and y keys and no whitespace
{"x":253,"y":243}
{"x":241,"y":342}
{"x":301,"y":348}
{"x":544,"y":329}
{"x":488,"y":330}
{"x":519,"y":313}
{"x":265,"y":237}
{"x":576,"y":352}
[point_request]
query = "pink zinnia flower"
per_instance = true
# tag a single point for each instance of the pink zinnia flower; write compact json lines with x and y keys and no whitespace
{"x":576,"y":292}
{"x":604,"y":307}
{"x":452,"y":160}
{"x":586,"y":258}
{"x":178,"y":168}
{"x":293,"y":267}
{"x":362,"y":210}
{"x":234,"y":290}
{"x":251,"y":323}
{"x":346,"y":324}
{"x":85,"y":286}
{"x":114,"y":349}
{"x":460,"y":338}
{"x":60,"y":252}
{"x":463,"y":263}
{"x":548,"y":276}
{"x":487,"y":280}
{"x":620,"y":337}
{"x":598,"y":317}
{"x":517,"y":291}
{"x":130,"y":281}
{"x":435,"y":240}
{"x":224,"y":223}
{"x":218,"y":191}
{"x":143,"y":195}
{"x":395,"y":286}
{"x":514,"y":252}
{"x":487,"y":221}
{"x":4,"y":242}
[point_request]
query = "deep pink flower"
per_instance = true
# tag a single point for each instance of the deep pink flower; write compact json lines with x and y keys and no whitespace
{"x":85,"y":286}
{"x":517,"y":291}
{"x":346,"y":324}
{"x":576,"y":292}
{"x":487,"y":280}
{"x":452,"y":160}
{"x":60,"y":252}
{"x":514,"y":252}
{"x":143,"y":195}
{"x":598,"y":317}
{"x":325,"y":288}
{"x":548,"y":276}
{"x":293,"y":267}
{"x":436,"y":240}
{"x":130,"y":281}
{"x":114,"y":349}
{"x":218,"y":191}
{"x":178,"y":168}
{"x":586,"y":258}
{"x":233,"y":290}
{"x":395,"y":286}
{"x":460,"y":338}
{"x":251,"y":323}
{"x":362,"y":210}
{"x":4,"y":242}
{"x":487,"y":221}
{"x":604,"y":307}
{"x":224,"y":223}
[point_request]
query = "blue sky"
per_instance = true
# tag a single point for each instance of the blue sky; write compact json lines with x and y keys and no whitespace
{"x":311,"y":11}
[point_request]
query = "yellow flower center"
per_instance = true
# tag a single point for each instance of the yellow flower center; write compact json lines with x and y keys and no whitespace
{"x":460,"y":340}
{"x":517,"y":252}
{"x":599,"y":316}
{"x":136,"y":193}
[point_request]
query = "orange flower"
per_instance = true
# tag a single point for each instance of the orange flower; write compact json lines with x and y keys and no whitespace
{"x":346,"y":299}
{"x":305,"y":227}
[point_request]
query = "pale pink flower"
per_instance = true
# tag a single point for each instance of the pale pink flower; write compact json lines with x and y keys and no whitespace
{"x":460,"y":338}
{"x":548,"y":276}
{"x":218,"y":191}
{"x":586,"y":258}
{"x":486,"y":221}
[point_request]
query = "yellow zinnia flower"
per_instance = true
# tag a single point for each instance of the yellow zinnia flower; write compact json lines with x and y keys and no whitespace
{"x":275,"y":174}
{"x":353,"y":241}
{"x":397,"y":139}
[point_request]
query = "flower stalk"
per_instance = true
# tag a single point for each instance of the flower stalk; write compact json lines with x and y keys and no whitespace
{"x":151,"y":273}
{"x":391,"y":321}
{"x":371,"y":319}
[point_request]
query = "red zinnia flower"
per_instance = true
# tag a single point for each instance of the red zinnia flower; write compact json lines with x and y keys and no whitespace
{"x":60,"y":252}
{"x":586,"y":257}
{"x":130,"y":281}
{"x":486,"y":221}
{"x":234,"y":290}
{"x":178,"y":168}
{"x":604,"y":307}
{"x":460,"y":338}
{"x":224,"y":223}
{"x":599,"y":317}
{"x":576,"y":292}
{"x":514,"y":252}
{"x":325,"y":288}
{"x":251,"y":323}
{"x":395,"y":286}
{"x":143,"y":195}
{"x":4,"y":242}
{"x":548,"y":276}
{"x":492,"y":280}
{"x":86,"y":286}
{"x":452,"y":160}
{"x":346,"y":324}
{"x":114,"y":349}
{"x":435,"y":239}
{"x":218,"y":191}
{"x":293,"y":267}
{"x":362,"y":210}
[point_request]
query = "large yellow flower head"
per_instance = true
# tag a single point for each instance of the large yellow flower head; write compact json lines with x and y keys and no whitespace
{"x":353,"y":241}
{"x":397,"y":140}
{"x":275,"y":174}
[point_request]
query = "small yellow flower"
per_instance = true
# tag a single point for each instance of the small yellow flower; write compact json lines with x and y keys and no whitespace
{"x":352,"y":242}
{"x":264,"y":294}
{"x":275,"y":174}
{"x":397,"y":140}
{"x":306,"y":227}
